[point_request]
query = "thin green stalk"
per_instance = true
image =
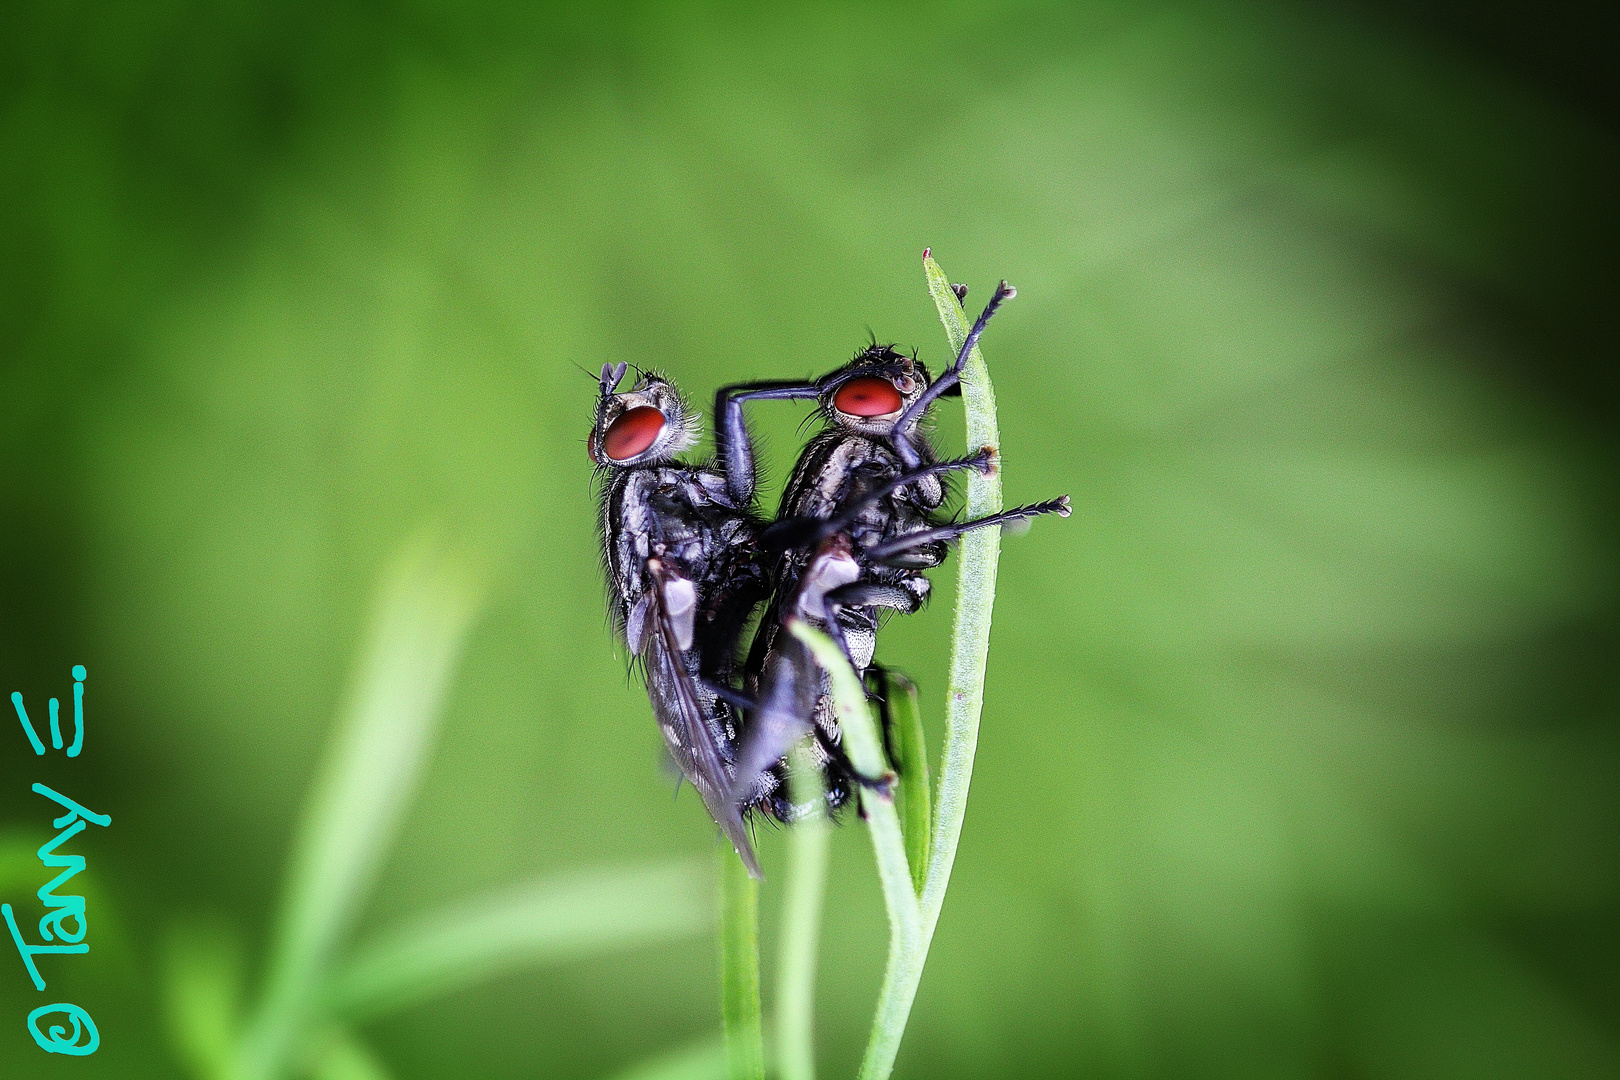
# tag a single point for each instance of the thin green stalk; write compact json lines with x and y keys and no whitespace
{"x":739,"y":968}
{"x":808,"y":844}
{"x":970,"y":643}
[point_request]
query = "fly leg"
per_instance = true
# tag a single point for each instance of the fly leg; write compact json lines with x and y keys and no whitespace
{"x":728,"y":694}
{"x":902,"y":544}
{"x":878,"y":691}
{"x":789,"y":686}
{"x":806,"y":531}
{"x":732,"y":445}
{"x":955,"y":389}
{"x":875,"y":594}
{"x":948,"y":378}
{"x":870,"y":594}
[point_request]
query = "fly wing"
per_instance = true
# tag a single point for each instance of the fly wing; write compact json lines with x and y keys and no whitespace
{"x":791,"y":682}
{"x":788,"y":688}
{"x":679,"y":707}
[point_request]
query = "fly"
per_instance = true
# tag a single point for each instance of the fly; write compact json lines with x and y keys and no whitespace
{"x":859,"y":524}
{"x":684,"y":574}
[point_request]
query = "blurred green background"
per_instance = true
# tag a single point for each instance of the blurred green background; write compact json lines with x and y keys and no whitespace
{"x":1299,"y":751}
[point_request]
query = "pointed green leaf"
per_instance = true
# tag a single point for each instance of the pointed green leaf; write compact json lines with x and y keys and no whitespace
{"x":914,"y":797}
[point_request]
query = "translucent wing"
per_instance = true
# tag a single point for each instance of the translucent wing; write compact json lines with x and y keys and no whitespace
{"x":683,"y":710}
{"x":788,"y":688}
{"x":790,"y":680}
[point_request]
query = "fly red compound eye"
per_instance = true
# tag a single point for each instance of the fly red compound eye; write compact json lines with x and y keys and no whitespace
{"x":632,"y":433}
{"x":867,"y":396}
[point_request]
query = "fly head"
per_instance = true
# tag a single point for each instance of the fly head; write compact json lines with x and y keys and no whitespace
{"x":646,"y":425}
{"x":872,"y":391}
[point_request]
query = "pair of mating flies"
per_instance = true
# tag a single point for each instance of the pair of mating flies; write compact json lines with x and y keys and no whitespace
{"x":689,"y":560}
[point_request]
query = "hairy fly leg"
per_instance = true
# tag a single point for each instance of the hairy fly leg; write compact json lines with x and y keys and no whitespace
{"x":805,"y":531}
{"x":910,"y":541}
{"x":733,"y":447}
{"x":949,"y":378}
{"x":877,"y":691}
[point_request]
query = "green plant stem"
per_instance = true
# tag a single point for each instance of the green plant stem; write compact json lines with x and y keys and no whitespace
{"x":970,"y":645}
{"x":808,"y":842}
{"x":739,"y":968}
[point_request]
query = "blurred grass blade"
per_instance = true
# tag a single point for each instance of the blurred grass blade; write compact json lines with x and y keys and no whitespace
{"x":914,"y":796}
{"x":202,"y":999}
{"x":705,"y":1060}
{"x":808,"y":842}
{"x":422,"y":616}
{"x":342,"y":1056}
{"x":544,"y":921}
{"x":739,"y":968}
